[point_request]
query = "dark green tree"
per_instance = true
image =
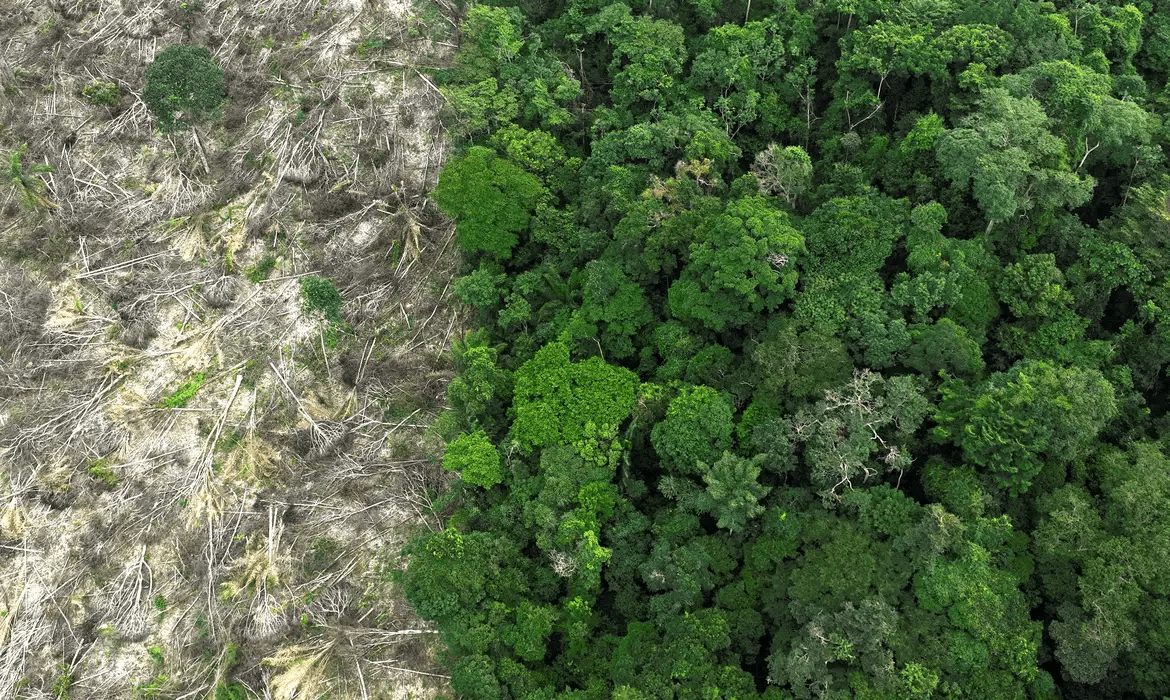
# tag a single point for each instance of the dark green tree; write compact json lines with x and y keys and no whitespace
{"x":184,"y":87}
{"x":733,"y":491}
{"x":1011,"y":159}
{"x":1115,"y":551}
{"x":742,"y":266}
{"x":481,"y":392}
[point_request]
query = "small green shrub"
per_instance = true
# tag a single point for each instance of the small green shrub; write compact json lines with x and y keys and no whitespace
{"x":330,"y":336}
{"x":231,"y":691}
{"x":184,"y":393}
{"x":46,"y":27}
{"x":100,"y":471}
{"x":102,"y":94}
{"x":61,"y":685}
{"x":146,"y":691}
{"x":156,"y":655}
{"x":319,"y":294}
{"x":369,"y":46}
{"x":231,"y":655}
{"x":160,"y":603}
{"x":357,"y":98}
{"x":259,"y":272}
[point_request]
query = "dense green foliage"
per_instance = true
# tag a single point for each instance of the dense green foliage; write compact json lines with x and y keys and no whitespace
{"x":822,"y":352}
{"x":184,"y":86}
{"x":102,"y":93}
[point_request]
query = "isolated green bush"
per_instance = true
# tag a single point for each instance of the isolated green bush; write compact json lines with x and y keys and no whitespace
{"x":259,"y":272}
{"x":319,"y":294}
{"x":100,"y":471}
{"x":30,"y":189}
{"x":63,"y":682}
{"x":100,"y":92}
{"x":184,"y":86}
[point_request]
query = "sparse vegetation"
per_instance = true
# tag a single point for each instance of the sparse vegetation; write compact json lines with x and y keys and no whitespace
{"x":184,"y":393}
{"x":100,"y":471}
{"x":231,"y":691}
{"x":62,"y":683}
{"x":149,"y":690}
{"x":259,"y":272}
{"x":134,"y":224}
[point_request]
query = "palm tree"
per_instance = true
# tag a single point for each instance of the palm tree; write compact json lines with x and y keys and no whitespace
{"x":30,"y":187}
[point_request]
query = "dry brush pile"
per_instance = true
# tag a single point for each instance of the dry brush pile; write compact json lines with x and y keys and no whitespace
{"x":220,"y":350}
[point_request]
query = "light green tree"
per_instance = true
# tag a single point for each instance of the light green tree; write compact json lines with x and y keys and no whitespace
{"x":561,"y":402}
{"x":491,"y":199}
{"x":1012,"y":161}
{"x":697,"y":429}
{"x":475,"y":458}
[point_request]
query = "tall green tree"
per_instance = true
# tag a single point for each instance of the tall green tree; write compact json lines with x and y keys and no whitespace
{"x":1015,"y":420}
{"x":491,"y":199}
{"x":561,"y":402}
{"x":697,"y":430}
{"x":1011,"y":159}
{"x":741,"y":267}
{"x":733,"y":491}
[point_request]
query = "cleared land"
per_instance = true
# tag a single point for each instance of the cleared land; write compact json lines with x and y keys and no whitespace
{"x":206,"y":467}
